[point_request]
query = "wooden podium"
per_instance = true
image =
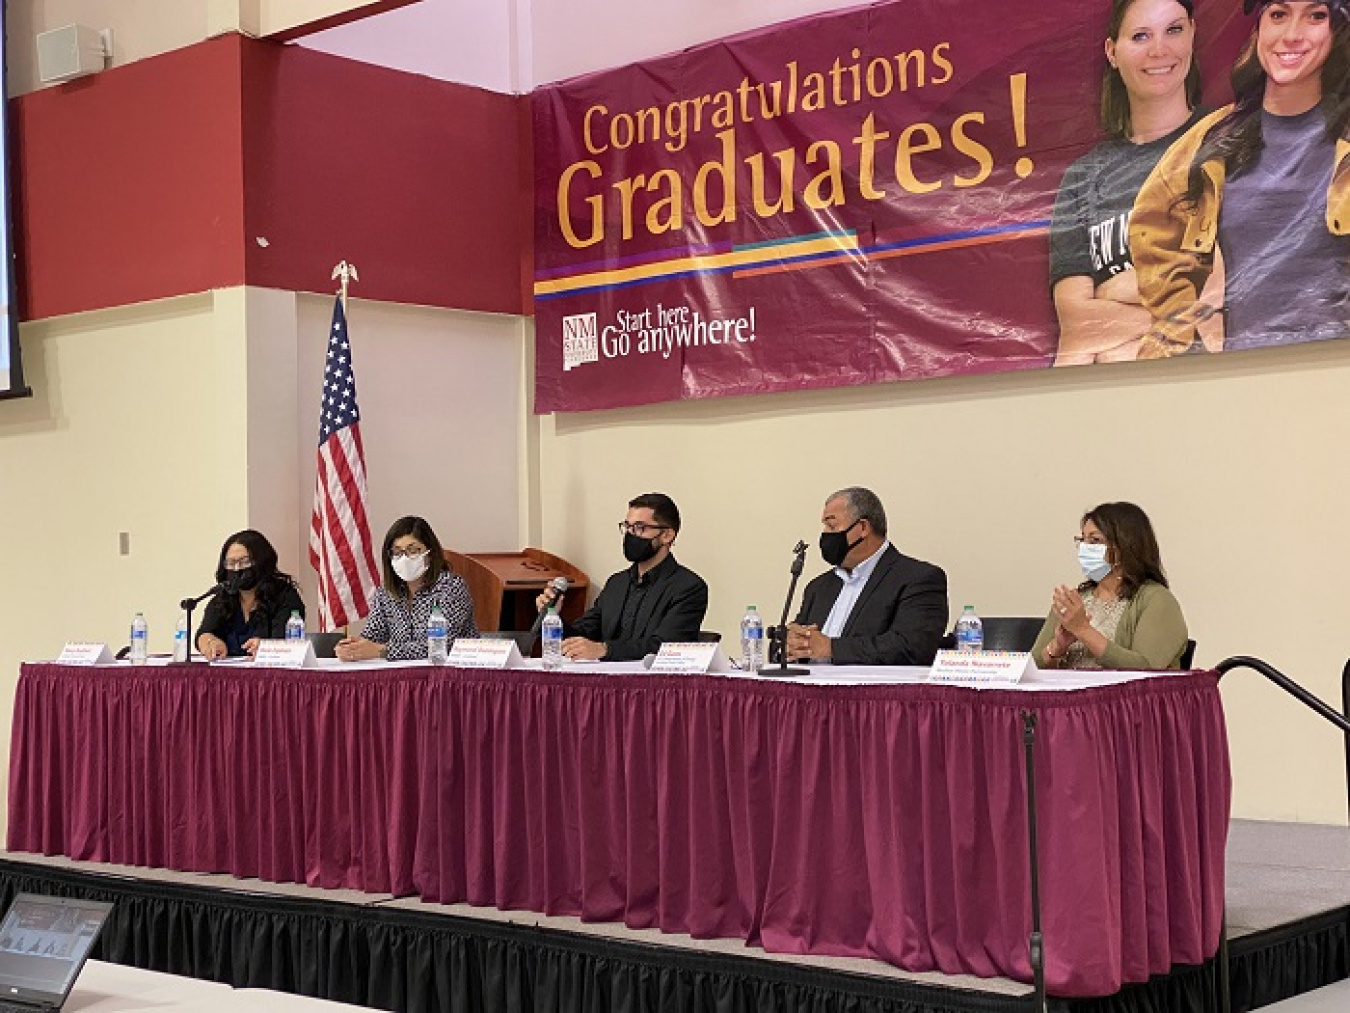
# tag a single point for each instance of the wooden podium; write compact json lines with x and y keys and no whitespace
{"x":504,"y":585}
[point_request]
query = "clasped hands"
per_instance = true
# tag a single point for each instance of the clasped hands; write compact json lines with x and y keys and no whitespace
{"x":1071,"y":617}
{"x":807,"y":643}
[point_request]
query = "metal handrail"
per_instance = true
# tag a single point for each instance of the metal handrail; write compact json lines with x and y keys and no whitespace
{"x":1289,"y":686}
{"x":1313,"y":703}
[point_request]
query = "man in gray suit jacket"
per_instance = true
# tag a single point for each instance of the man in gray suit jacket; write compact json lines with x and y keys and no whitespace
{"x":877,"y":606}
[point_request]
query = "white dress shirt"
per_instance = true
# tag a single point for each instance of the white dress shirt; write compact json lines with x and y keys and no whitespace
{"x":848,"y":594}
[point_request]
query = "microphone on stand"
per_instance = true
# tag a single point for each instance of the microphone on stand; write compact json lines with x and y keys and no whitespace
{"x":191,"y":603}
{"x":188,"y":604}
{"x":780,"y":632}
{"x":559,"y":587}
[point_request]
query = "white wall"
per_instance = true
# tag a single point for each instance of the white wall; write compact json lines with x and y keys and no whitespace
{"x":1238,"y":458}
{"x":516,"y":45}
{"x":473,"y":42}
{"x":571,"y":37}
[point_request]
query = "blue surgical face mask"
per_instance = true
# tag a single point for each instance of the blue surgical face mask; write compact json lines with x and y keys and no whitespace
{"x":1092,"y":558}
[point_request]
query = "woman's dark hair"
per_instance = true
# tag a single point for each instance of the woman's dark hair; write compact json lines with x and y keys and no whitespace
{"x":1115,"y":98}
{"x":421,"y":530}
{"x":271,"y":581}
{"x":1128,"y":531}
{"x":1236,"y":139}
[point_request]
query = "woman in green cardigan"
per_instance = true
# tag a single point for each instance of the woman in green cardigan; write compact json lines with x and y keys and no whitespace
{"x":1122,"y":615}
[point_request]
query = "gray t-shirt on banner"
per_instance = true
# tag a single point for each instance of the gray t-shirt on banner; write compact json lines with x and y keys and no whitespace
{"x":1090,"y":230}
{"x":1288,"y":278}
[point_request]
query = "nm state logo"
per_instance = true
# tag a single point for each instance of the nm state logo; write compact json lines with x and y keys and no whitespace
{"x":581,"y":343}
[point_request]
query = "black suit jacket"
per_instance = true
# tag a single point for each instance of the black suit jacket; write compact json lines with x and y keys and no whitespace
{"x":673,"y":610}
{"x":899,"y":618}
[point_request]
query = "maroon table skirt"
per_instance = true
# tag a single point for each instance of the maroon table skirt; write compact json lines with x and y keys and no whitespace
{"x":881,"y":821}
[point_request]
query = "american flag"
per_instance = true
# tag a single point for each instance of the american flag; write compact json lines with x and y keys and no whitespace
{"x":339,"y":535}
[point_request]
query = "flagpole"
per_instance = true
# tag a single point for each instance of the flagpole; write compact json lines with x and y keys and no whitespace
{"x":344,"y":273}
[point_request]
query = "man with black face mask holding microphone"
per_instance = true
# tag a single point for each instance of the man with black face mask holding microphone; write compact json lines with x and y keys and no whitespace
{"x":877,"y":606}
{"x":654,"y":601}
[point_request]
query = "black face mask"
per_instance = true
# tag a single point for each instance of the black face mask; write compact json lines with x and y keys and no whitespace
{"x":242,"y":580}
{"x":639,"y":550}
{"x":834,"y":545}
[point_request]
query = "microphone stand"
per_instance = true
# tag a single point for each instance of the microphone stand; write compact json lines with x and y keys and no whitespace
{"x":187,"y":605}
{"x":781,"y":634}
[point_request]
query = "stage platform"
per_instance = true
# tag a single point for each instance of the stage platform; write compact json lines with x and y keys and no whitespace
{"x":1288,"y":914}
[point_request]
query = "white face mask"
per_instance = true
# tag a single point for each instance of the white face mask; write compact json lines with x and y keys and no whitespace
{"x":410,"y":567}
{"x":1092,"y":558}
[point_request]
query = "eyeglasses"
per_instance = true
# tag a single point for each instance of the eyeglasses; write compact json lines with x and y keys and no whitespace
{"x":1090,"y":540}
{"x":640,"y":529}
{"x":238,"y":564}
{"x":411,"y":550}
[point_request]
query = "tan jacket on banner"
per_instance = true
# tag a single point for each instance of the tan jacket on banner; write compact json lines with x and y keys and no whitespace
{"x":1174,"y":248}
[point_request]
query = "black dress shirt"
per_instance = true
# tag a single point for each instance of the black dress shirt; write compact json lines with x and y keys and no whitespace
{"x":635,"y":615}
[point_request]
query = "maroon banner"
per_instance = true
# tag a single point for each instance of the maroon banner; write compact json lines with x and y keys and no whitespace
{"x":854,"y":198}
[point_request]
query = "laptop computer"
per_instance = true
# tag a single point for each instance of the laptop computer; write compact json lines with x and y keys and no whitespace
{"x":43,"y":944}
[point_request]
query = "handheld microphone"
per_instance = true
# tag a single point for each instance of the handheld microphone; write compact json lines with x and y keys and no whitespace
{"x":559,"y":587}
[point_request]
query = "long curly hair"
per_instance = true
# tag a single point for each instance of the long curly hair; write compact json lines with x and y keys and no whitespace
{"x":1236,"y":140}
{"x":272,"y":583}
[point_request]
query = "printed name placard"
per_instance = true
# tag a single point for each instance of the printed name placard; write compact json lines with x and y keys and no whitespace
{"x":981,"y":668}
{"x":285,"y":654}
{"x":466,"y":653}
{"x":691,"y":659}
{"x":80,"y":652}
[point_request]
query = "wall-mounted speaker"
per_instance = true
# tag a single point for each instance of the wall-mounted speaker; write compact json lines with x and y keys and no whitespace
{"x":73,"y":51}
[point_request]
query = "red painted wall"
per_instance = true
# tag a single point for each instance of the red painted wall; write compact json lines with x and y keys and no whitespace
{"x":128,"y":184}
{"x":159,"y":178}
{"x":424,"y":185}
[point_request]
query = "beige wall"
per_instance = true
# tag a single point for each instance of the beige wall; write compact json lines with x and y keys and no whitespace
{"x":123,"y":435}
{"x":181,"y":421}
{"x":139,"y":30}
{"x":1240,"y":460}
{"x":145,"y":28}
{"x":441,"y":406}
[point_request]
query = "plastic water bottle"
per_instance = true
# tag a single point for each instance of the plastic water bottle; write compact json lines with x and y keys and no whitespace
{"x":752,"y":640}
{"x":969,"y":631}
{"x":552,"y":631}
{"x":180,"y":652}
{"x":140,"y":640}
{"x":295,"y":627}
{"x":438,"y":637}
